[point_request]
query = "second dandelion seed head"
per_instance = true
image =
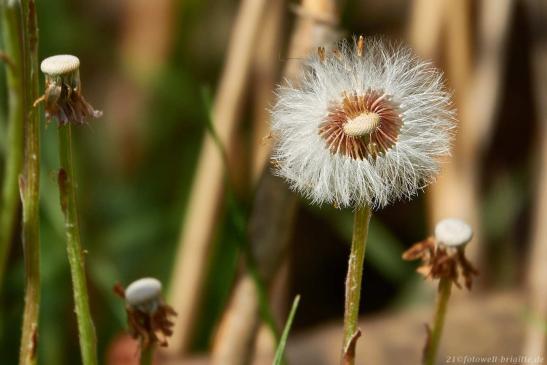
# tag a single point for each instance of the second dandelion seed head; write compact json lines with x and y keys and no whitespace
{"x":366,"y":124}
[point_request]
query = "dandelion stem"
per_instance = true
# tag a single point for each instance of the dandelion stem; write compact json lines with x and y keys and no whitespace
{"x":86,"y":330}
{"x":29,"y":181}
{"x":353,"y":282}
{"x":146,"y":355}
{"x":432,"y":346}
{"x":14,"y":157}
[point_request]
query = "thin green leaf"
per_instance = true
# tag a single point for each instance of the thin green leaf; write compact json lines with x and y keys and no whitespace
{"x":278,"y":360}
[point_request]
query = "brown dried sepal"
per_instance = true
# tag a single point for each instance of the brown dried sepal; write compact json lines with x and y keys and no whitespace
{"x":441,"y":262}
{"x":148,"y":328}
{"x":66,"y":103}
{"x":151,"y":328}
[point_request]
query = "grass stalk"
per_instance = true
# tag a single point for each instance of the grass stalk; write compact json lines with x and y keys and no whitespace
{"x":67,"y":190}
{"x":9,"y":200}
{"x":354,"y":281}
{"x":432,"y":346}
{"x":29,"y":183}
{"x":280,"y":352}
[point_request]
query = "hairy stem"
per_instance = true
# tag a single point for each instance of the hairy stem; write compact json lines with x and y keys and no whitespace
{"x":29,"y":182}
{"x":9,"y":200}
{"x":432,"y":346}
{"x":66,"y":180}
{"x":353,"y":282}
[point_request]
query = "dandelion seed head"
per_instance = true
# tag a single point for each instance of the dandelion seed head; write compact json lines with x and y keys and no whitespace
{"x":367,"y":123}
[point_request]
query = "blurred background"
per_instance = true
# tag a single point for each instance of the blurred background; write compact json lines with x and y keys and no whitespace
{"x":158,"y":196}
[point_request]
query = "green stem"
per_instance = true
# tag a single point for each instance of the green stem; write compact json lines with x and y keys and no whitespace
{"x":146,"y":355}
{"x":29,"y":184}
{"x":432,"y":346}
{"x":66,"y":180}
{"x":353,"y":281}
{"x":9,"y":200}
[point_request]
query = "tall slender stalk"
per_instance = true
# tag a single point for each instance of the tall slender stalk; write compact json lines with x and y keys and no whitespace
{"x":66,"y":180}
{"x":147,"y":355}
{"x":432,"y":347}
{"x":14,"y":157}
{"x":29,"y":183}
{"x":353,"y":282}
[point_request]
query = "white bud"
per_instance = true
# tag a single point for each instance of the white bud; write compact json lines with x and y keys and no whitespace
{"x":453,"y":232}
{"x":143,"y":292}
{"x":60,"y":64}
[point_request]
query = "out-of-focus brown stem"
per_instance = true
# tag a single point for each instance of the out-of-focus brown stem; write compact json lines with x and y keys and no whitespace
{"x":476,"y":91}
{"x":207,"y":190}
{"x":456,"y":190}
{"x":275,"y":206}
{"x":266,"y":70}
{"x":535,"y":338}
{"x":425,"y":28}
{"x":234,"y":340}
{"x":482,"y":101}
{"x":144,"y":49}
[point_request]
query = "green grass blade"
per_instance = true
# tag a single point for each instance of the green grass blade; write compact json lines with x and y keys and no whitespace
{"x":278,"y":360}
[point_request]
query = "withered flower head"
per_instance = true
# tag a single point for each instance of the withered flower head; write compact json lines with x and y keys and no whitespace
{"x":149,"y":318}
{"x":365,"y":124}
{"x":443,"y":255}
{"x":63,"y":95}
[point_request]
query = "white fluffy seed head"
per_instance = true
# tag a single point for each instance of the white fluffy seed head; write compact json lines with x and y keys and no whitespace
{"x":373,"y":166}
{"x":60,"y":65}
{"x":143,"y":292}
{"x":453,"y":232}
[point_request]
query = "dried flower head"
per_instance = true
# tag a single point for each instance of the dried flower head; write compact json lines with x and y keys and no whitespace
{"x":148,"y":316}
{"x":63,"y":95}
{"x":367,"y":124}
{"x":443,"y":256}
